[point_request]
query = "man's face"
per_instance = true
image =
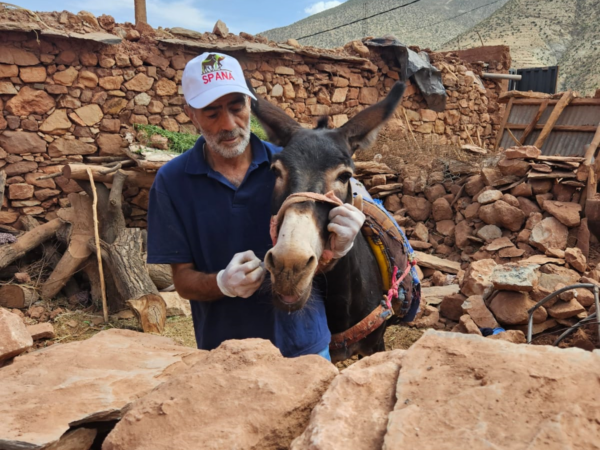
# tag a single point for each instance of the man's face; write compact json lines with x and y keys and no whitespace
{"x":225,"y":124}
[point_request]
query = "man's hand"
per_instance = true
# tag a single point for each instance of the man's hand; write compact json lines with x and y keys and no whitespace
{"x":345,"y":222}
{"x":242,"y":277}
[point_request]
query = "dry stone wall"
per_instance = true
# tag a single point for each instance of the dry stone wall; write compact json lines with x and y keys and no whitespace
{"x":64,"y":100}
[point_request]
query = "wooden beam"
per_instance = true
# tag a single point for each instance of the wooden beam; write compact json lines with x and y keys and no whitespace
{"x":556,"y":112}
{"x":512,"y":136}
{"x":555,"y":174}
{"x":555,"y":158}
{"x":534,"y":122}
{"x":506,"y":96}
{"x":134,"y":178}
{"x":574,"y":102}
{"x":504,"y":122}
{"x":581,"y":128}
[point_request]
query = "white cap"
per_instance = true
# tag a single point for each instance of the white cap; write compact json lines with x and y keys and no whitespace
{"x":211,"y":76}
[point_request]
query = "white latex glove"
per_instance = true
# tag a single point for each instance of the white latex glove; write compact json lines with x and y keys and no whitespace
{"x":345,"y":221}
{"x":242,"y":276}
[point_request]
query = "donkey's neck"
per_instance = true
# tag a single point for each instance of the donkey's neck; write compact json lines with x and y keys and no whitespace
{"x":353,"y":288}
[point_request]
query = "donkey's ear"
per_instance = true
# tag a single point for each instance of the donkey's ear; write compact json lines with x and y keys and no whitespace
{"x":278,"y":125}
{"x":361,"y":130}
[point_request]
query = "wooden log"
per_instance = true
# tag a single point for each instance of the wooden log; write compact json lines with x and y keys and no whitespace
{"x":504,"y":122}
{"x":79,"y":215}
{"x":556,"y":112}
{"x":534,"y":122}
{"x":151,"y":165}
{"x":28,"y":241}
{"x":17,"y":296}
{"x":134,"y":178}
{"x":161,"y":275}
{"x":125,"y":262}
{"x":105,"y":159}
{"x":574,"y":102}
{"x":563,"y":159}
{"x":555,"y":174}
{"x":433,"y":262}
{"x":580,"y":128}
{"x":506,"y":96}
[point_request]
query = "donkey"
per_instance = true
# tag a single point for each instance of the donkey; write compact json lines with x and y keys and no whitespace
{"x":319,"y":161}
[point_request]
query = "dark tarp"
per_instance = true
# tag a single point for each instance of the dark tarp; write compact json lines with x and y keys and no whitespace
{"x":417,"y":67}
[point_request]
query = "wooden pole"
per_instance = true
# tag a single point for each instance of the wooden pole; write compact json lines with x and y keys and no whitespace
{"x":98,"y":248}
{"x":140,"y":12}
{"x":556,"y":112}
{"x":534,"y":122}
{"x":503,"y":124}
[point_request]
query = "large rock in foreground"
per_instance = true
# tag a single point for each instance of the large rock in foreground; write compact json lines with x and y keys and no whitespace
{"x":464,"y":391}
{"x":14,"y":337}
{"x":243,"y":395}
{"x":353,"y":413}
{"x":44,"y":393}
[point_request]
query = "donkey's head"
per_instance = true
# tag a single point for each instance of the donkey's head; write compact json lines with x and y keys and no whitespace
{"x":318,"y":161}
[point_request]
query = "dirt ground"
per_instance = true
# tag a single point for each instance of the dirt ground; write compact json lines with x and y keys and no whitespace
{"x":81,"y":324}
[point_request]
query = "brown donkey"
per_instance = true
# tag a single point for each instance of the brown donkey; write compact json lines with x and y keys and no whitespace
{"x":319,"y":161}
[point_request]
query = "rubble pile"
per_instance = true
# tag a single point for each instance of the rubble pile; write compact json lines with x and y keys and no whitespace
{"x":495,"y":242}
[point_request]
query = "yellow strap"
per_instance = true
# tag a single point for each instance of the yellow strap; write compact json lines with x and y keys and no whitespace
{"x":380,"y":256}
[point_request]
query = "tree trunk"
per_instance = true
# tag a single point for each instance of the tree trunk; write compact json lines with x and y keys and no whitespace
{"x":127,"y":266}
{"x":79,"y":215}
{"x":123,"y":263}
{"x":17,"y":296}
{"x":28,"y":241}
{"x":161,"y":275}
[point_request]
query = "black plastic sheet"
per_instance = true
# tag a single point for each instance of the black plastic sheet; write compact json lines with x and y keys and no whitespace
{"x":416,"y":67}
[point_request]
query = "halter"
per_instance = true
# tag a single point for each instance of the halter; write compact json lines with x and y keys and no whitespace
{"x":301,"y":197}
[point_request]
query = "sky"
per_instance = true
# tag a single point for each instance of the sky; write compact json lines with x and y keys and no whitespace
{"x":200,"y":15}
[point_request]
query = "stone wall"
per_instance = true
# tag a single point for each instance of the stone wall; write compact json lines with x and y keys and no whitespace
{"x":64,"y":100}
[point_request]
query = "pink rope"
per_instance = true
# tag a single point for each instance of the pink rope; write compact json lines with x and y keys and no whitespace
{"x":393,"y":292}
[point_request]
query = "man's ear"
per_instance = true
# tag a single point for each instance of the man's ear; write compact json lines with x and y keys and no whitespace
{"x":361,"y":130}
{"x":278,"y":125}
{"x":189,"y":111}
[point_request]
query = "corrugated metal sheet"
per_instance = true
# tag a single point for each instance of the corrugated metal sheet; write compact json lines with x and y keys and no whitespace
{"x":565,"y":143}
{"x":537,"y":79}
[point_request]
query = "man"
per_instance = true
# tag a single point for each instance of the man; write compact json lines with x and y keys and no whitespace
{"x":209,"y":219}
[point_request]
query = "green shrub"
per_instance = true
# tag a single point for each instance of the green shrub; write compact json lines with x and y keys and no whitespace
{"x":181,"y":142}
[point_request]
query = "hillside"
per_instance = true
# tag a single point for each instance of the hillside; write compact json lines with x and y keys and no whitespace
{"x":546,"y":33}
{"x":428,"y":23}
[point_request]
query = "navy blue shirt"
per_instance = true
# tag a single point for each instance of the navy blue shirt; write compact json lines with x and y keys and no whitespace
{"x":197,"y":216}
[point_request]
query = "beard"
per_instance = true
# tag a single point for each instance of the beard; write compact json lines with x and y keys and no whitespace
{"x":228,"y":151}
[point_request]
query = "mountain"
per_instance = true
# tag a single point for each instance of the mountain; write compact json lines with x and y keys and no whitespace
{"x":545,"y":33}
{"x":427,"y":23}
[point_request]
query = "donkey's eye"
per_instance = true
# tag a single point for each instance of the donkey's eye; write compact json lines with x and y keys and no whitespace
{"x":344,"y":177}
{"x":276,"y":171}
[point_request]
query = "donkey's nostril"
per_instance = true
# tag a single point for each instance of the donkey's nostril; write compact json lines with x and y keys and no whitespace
{"x":270,"y":261}
{"x":310,"y":261}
